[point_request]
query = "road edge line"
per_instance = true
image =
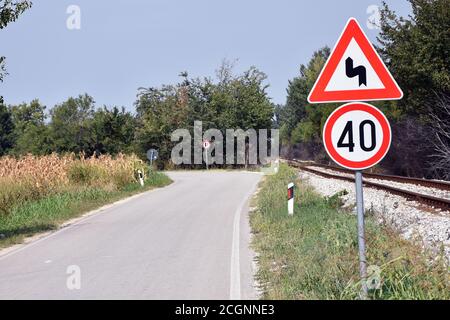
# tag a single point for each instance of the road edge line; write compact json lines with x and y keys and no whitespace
{"x":235,"y":269}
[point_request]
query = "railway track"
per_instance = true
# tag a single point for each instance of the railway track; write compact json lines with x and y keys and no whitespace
{"x":436,"y":202}
{"x":443,"y":185}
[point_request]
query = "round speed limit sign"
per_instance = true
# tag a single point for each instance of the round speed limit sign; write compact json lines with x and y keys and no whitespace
{"x":357,"y":136}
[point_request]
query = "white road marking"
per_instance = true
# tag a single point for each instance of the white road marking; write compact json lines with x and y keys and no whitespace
{"x":152,"y":278}
{"x":235,"y":272}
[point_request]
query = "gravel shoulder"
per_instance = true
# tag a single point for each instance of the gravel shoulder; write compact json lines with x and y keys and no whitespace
{"x":410,"y":219}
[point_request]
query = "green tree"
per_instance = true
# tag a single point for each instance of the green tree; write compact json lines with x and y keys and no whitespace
{"x":31,"y":134}
{"x":9,"y":12}
{"x":298,"y":115}
{"x":113,"y":131}
{"x":71,"y":125}
{"x":231,"y":102}
{"x":6,"y":129}
{"x":159,"y":113}
{"x":417,"y":51}
{"x":241,"y":101}
{"x":303,"y":132}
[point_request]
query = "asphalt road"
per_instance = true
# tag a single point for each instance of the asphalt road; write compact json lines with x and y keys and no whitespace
{"x":186,"y":241}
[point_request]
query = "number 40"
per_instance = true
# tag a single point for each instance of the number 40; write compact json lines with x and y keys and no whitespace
{"x":348,"y":131}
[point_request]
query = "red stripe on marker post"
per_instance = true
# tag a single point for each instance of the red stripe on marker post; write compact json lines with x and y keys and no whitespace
{"x":290,"y":193}
{"x":291,"y":199}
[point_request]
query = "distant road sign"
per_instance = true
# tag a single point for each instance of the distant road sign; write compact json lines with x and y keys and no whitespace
{"x":152,"y":154}
{"x":354,"y":72}
{"x":357,"y":136}
{"x":206,"y":144}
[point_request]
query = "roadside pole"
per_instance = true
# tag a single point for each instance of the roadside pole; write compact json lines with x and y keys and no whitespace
{"x":206,"y":158}
{"x":361,"y":234}
{"x":141,"y":178}
{"x":357,"y":135}
{"x":291,"y":199}
{"x":152,"y":155}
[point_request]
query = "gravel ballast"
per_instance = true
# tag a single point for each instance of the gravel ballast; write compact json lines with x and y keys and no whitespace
{"x":443,"y":194}
{"x":410,"y":219}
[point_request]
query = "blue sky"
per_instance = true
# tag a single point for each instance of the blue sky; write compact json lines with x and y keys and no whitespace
{"x":126,"y":44}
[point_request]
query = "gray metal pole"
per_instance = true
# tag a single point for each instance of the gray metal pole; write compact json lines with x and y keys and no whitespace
{"x":361,"y":235}
{"x":206,"y":158}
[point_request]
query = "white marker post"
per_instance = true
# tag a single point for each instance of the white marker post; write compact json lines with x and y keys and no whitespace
{"x":141,"y":178}
{"x":291,"y":199}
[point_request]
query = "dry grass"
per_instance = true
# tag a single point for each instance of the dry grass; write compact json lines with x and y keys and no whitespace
{"x":32,"y":178}
{"x":38,"y":193}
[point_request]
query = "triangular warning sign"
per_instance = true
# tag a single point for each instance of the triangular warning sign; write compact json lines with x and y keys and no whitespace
{"x":354,"y":72}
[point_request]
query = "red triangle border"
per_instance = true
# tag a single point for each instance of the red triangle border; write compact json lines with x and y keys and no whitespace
{"x":391,"y":90}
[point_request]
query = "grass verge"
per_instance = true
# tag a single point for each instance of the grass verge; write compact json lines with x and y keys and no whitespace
{"x":48,"y":213}
{"x":313,"y":255}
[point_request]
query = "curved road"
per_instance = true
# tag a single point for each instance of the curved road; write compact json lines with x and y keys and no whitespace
{"x":186,"y":241}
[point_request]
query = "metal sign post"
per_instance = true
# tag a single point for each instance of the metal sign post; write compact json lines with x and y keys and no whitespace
{"x":152,"y":154}
{"x":357,"y":136}
{"x":361,"y":234}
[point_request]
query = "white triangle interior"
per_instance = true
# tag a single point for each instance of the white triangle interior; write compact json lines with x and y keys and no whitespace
{"x":339,"y":80}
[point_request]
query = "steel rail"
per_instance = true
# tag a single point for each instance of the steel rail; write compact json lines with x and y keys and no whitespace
{"x":410,"y":195}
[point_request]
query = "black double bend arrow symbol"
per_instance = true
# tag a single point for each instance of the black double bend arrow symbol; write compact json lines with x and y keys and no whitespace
{"x":359,"y":71}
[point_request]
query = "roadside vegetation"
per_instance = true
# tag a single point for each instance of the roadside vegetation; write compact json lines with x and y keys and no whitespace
{"x":39,"y":193}
{"x":313,"y":255}
{"x":232,"y":101}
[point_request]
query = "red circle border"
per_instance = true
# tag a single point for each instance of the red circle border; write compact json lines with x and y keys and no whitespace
{"x":357,"y":165}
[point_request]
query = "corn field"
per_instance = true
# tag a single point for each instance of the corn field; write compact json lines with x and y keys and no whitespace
{"x":31,"y":177}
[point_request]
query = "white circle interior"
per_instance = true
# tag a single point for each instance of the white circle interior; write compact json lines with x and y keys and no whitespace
{"x":357,"y":117}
